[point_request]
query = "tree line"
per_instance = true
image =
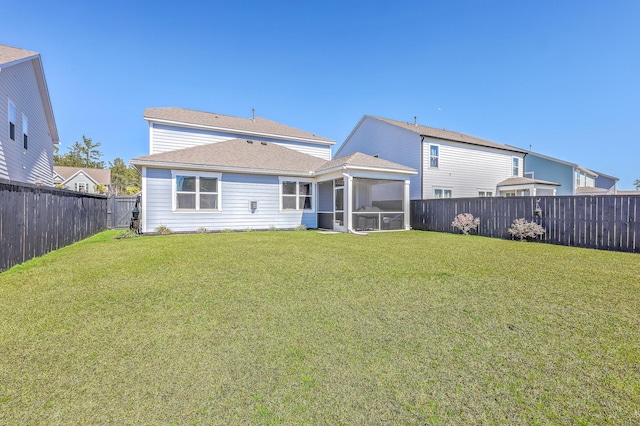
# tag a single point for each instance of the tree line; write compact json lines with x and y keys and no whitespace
{"x":125,"y":180}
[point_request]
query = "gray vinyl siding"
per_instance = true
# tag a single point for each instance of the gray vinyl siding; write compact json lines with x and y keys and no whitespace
{"x":80,"y":178}
{"x":551,"y":171}
{"x":165,"y":138}
{"x":237,"y":191}
{"x":607,"y":183}
{"x":388,"y":142}
{"x":466,"y":169}
{"x":18,"y":83}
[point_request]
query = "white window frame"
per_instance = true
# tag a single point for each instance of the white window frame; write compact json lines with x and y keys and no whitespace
{"x":11,"y":108}
{"x":515,"y":163}
{"x":25,"y":132}
{"x":298,"y":181}
{"x":82,"y":187}
{"x":436,"y":157}
{"x":444,"y":193}
{"x":485,"y":193}
{"x":197,"y":175}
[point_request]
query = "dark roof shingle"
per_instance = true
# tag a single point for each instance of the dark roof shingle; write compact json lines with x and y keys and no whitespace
{"x":209,"y":119}
{"x":447,"y":135}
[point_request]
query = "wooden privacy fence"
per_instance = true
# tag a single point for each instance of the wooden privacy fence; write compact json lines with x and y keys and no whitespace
{"x":607,"y":222}
{"x":36,"y":220}
{"x":119,"y":211}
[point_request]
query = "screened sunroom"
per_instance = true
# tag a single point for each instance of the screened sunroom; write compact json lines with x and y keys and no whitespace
{"x":358,"y":197}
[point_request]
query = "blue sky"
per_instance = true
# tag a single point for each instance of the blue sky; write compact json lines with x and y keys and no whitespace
{"x":560,"y":76}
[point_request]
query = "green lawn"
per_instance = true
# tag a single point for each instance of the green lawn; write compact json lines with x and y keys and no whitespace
{"x":304,"y":328}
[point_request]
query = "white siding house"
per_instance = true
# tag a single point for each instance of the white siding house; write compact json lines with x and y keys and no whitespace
{"x":217,"y":172}
{"x":450,"y":164}
{"x":27,"y":126}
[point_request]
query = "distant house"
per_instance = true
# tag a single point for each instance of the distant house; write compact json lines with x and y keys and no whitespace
{"x":82,"y":179}
{"x":27,"y":126}
{"x":213,"y":171}
{"x":572,"y":178}
{"x":449,"y":164}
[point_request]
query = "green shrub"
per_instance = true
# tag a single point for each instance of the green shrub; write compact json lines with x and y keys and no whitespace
{"x":202,"y":230}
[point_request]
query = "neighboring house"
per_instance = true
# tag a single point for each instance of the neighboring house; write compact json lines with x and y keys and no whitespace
{"x":219,"y":172}
{"x":82,"y":179}
{"x":449,"y":164}
{"x":573,"y":178}
{"x":27,"y":126}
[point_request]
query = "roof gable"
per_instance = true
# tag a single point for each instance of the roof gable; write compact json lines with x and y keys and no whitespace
{"x":360,"y":160}
{"x":249,"y":126}
{"x":10,"y":56}
{"x":101,"y":176}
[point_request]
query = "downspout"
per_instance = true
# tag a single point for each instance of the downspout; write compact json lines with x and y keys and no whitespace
{"x":349,"y":205}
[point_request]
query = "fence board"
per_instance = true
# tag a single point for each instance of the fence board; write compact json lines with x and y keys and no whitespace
{"x":608,"y":222}
{"x":36,"y":220}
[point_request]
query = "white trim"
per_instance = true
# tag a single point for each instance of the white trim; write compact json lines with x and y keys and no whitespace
{"x":10,"y":106}
{"x":297,"y":180}
{"x":25,"y":130}
{"x":197,"y":175}
{"x":437,"y":146}
{"x":143,"y":202}
{"x":519,"y":174}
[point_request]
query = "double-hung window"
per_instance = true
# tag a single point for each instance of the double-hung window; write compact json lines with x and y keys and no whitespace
{"x":194,"y":191}
{"x":434,"y":156}
{"x":12,"y":121}
{"x":296,"y":194}
{"x":516,"y":166}
{"x":25,"y":131}
{"x":442,"y":193}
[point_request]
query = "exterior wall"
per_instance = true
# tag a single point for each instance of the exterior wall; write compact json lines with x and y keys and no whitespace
{"x":466,"y":169}
{"x":552,"y":171}
{"x":237,"y":191}
{"x":607,"y":183}
{"x":19,"y":84}
{"x":80,"y":177}
{"x":165,"y":138}
{"x":389,"y":142}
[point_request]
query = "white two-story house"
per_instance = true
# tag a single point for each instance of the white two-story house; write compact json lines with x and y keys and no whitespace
{"x":449,"y":164}
{"x":27,"y":126}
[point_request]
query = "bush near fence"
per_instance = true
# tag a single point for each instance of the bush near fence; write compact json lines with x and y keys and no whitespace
{"x":35,"y":220}
{"x":607,"y":222}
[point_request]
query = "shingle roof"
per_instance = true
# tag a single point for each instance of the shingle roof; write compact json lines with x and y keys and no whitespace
{"x":525,"y":181}
{"x":240,"y":154}
{"x":209,"y":119}
{"x":447,"y":134}
{"x":102,"y":176}
{"x":587,"y":190}
{"x":364,"y":160}
{"x":10,"y":54}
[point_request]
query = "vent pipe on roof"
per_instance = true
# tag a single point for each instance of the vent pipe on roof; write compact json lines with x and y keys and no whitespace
{"x":253,"y":114}
{"x":415,"y":120}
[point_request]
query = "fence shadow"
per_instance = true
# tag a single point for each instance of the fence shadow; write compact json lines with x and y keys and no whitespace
{"x":606,"y":222}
